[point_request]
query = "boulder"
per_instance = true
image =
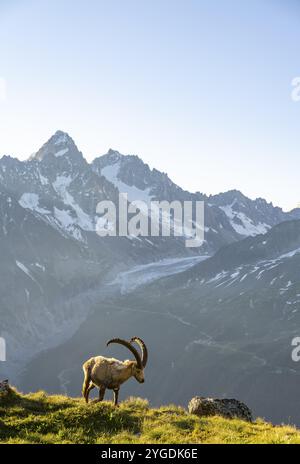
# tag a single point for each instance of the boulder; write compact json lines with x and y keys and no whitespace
{"x":4,"y":386}
{"x":228,"y":408}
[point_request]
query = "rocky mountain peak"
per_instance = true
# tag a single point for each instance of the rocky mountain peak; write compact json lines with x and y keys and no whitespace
{"x":60,"y":145}
{"x":61,"y":137}
{"x":114,"y":155}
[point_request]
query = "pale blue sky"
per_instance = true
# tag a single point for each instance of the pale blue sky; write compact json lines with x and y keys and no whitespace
{"x":198,"y":89}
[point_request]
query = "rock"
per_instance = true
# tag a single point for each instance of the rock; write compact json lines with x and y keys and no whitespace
{"x":4,"y":386}
{"x":228,"y":408}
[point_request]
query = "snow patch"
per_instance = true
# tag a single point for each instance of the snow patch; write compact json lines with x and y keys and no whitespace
{"x":63,"y":138}
{"x":26,"y":271}
{"x":61,"y":153}
{"x":244,"y":225}
{"x":43,"y":179}
{"x":83,"y":220}
{"x":68,"y":222}
{"x":31,"y":201}
{"x":291,"y":254}
{"x":133,"y":193}
{"x":145,"y":274}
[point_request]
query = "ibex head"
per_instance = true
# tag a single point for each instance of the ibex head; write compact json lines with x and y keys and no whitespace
{"x":140,"y":362}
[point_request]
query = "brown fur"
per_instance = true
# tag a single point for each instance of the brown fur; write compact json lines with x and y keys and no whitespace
{"x":108,"y":373}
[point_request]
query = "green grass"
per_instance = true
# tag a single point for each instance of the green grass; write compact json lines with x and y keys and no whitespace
{"x":40,"y":418}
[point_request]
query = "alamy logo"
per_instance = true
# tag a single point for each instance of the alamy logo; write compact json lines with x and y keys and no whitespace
{"x":2,"y":349}
{"x":296,"y":350}
{"x":152,"y":219}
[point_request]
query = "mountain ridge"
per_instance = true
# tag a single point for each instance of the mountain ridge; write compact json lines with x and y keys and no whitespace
{"x":63,"y":138}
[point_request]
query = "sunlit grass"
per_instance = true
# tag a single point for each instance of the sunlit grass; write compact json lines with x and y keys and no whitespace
{"x":40,"y":418}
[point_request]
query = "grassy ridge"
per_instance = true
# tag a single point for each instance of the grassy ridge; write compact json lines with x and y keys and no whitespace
{"x":40,"y":418}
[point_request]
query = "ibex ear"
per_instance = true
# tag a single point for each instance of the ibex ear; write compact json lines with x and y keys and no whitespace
{"x":133,"y":367}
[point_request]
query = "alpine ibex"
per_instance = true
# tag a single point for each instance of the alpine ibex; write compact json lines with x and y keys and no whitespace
{"x":110,"y":373}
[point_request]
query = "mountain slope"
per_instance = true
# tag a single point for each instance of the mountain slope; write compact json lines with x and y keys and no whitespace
{"x":250,"y":217}
{"x":215,"y":329}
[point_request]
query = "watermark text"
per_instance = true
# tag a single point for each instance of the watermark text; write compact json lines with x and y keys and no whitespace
{"x":152,"y":219}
